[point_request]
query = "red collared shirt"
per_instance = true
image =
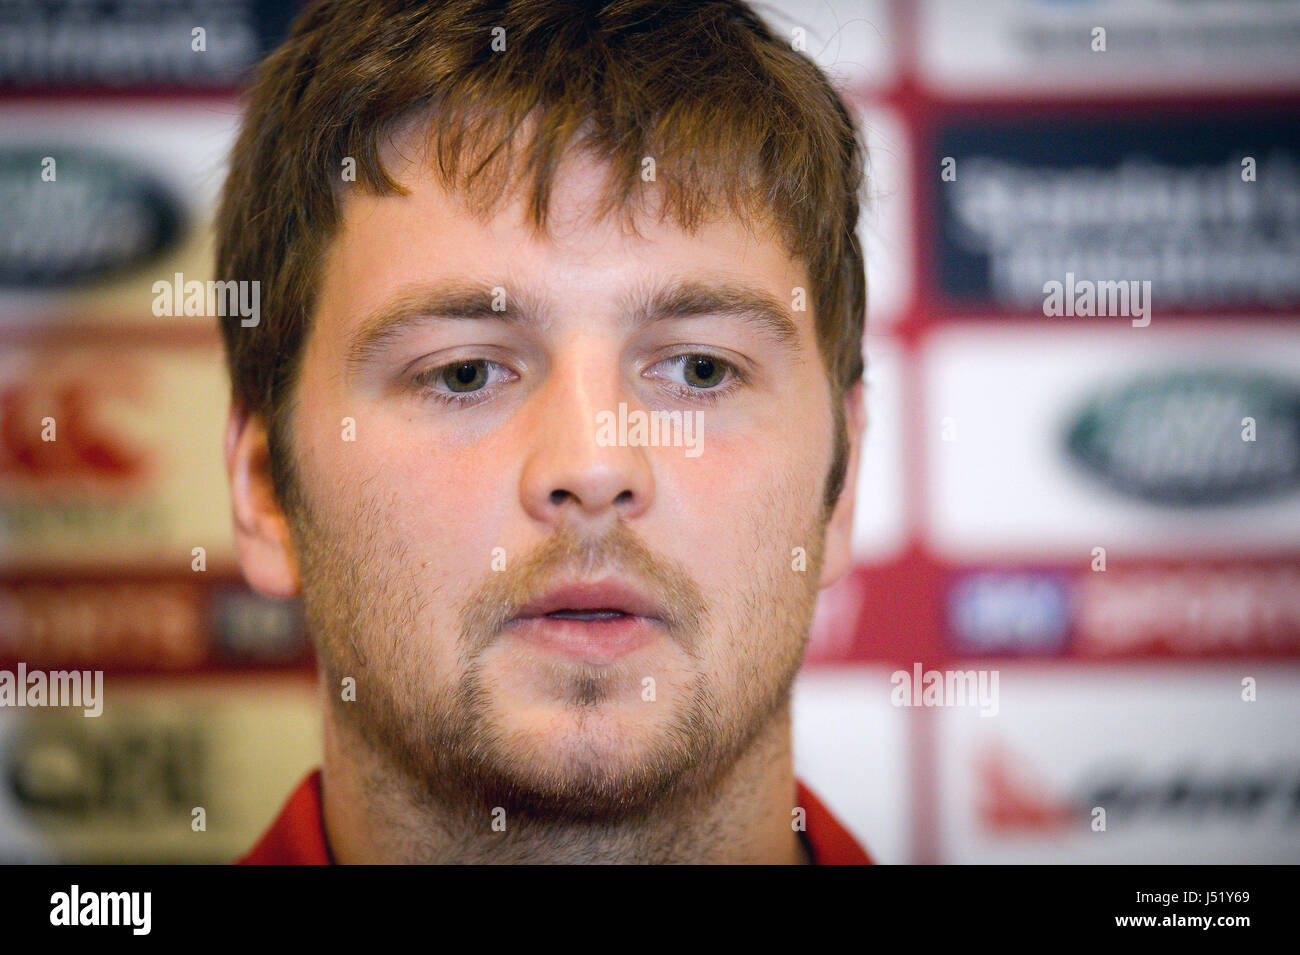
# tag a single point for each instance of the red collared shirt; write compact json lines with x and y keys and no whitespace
{"x":297,"y":837}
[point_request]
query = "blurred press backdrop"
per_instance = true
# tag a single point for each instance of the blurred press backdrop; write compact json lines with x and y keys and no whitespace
{"x":1103,"y":511}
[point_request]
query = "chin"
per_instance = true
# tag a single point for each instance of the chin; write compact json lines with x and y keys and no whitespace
{"x":595,"y":757}
{"x":570,"y":738}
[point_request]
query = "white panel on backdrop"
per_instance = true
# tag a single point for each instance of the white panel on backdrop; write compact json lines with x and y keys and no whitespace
{"x":96,"y":147}
{"x":1185,"y":769}
{"x":1028,"y":45}
{"x":1000,"y":404}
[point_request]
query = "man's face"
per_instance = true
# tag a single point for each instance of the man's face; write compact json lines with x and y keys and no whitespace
{"x":455,"y":478}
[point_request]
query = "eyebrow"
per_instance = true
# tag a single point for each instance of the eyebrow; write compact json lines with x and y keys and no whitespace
{"x":682,"y":299}
{"x":691,"y":298}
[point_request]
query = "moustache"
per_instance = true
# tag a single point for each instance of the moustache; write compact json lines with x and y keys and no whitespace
{"x":569,"y":555}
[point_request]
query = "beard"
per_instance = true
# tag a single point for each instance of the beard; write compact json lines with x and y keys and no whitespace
{"x":370,"y":614}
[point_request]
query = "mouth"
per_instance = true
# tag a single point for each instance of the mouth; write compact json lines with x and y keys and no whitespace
{"x":602,"y":614}
{"x":594,"y":622}
{"x":605,"y":600}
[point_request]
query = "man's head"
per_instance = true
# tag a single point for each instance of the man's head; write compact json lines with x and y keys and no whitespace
{"x":480,"y":232}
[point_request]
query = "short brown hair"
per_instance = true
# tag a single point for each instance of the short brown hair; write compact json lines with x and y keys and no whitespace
{"x":730,"y":114}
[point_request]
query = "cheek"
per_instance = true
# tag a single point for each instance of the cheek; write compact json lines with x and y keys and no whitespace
{"x":734,"y":516}
{"x":737,"y":506}
{"x":441,"y":504}
{"x":446,"y":504}
{"x":770,"y":468}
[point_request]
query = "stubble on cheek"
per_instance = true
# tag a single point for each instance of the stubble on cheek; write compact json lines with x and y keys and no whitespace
{"x":772,"y":602}
{"x":367,"y":610}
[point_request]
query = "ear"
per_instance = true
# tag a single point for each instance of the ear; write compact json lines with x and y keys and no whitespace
{"x":262,"y":537}
{"x":838,"y":552}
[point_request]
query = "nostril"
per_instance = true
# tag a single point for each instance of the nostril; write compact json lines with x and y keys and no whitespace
{"x":560,"y":495}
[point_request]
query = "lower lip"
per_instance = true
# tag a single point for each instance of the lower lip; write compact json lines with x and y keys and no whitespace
{"x":594,"y":641}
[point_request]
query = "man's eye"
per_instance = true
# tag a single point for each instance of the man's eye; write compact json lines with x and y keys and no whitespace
{"x":465,"y":376}
{"x":460,"y":381}
{"x":700,"y":372}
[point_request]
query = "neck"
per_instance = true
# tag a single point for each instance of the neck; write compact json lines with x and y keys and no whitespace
{"x":373,"y":816}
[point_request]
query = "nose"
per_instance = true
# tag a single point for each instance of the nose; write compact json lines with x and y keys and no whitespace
{"x":570,"y":474}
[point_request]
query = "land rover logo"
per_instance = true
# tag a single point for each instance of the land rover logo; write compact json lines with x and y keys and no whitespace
{"x":1180,"y":438}
{"x":100,"y":216}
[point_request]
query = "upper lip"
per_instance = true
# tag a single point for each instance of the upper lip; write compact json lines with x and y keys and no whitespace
{"x":602,"y":595}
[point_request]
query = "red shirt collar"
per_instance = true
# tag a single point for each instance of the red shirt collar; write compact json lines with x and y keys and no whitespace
{"x":297,"y":837}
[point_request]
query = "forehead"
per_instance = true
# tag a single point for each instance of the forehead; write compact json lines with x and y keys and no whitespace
{"x":581,"y":228}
